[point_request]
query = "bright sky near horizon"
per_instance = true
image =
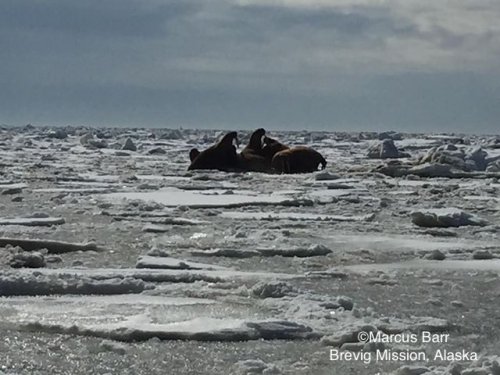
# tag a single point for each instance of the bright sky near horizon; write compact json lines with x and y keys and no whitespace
{"x":407,"y":65}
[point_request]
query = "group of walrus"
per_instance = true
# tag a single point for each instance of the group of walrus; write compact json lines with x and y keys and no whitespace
{"x":261,"y":154}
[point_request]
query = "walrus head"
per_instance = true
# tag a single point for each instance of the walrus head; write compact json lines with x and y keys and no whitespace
{"x":255,"y":142}
{"x":272,"y":146}
{"x":266,"y":141}
{"x":229,"y":139}
{"x":193,"y":154}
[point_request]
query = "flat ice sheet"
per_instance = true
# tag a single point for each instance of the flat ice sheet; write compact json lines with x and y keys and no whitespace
{"x":402,"y":243}
{"x":95,"y":190}
{"x":174,"y":264}
{"x":177,"y":197}
{"x":157,"y":275}
{"x":33,"y":222}
{"x":13,"y":186}
{"x":142,"y":317}
{"x":445,"y":265}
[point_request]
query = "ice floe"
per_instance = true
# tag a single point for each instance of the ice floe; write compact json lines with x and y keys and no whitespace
{"x":448,"y":217}
{"x":174,"y":264}
{"x":142,"y":318}
{"x":176,"y":197}
{"x":34,"y":222}
{"x":55,"y":247}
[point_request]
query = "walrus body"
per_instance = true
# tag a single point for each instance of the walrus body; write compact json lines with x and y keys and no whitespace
{"x":299,"y":159}
{"x":221,"y":156}
{"x":254,"y":163}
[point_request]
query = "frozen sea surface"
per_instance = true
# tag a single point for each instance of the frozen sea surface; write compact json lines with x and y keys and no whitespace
{"x":244,"y":273}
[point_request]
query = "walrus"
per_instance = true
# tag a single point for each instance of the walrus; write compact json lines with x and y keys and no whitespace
{"x":221,"y":156}
{"x":299,"y":159}
{"x":252,"y":157}
{"x":272,"y":147}
{"x":254,"y":144}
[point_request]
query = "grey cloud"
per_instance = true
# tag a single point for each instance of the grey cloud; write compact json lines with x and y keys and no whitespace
{"x":110,"y":18}
{"x":279,"y":18}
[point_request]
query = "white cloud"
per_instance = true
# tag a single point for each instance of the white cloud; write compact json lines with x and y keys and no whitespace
{"x":288,"y":39}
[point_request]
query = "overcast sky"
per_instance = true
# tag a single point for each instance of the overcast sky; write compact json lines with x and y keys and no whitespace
{"x":407,"y":65}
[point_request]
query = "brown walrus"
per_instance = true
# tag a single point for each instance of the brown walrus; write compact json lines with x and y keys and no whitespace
{"x":221,"y":156}
{"x":252,"y":157}
{"x":272,"y":147}
{"x":254,"y":144}
{"x":299,"y":159}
